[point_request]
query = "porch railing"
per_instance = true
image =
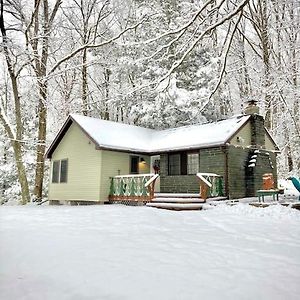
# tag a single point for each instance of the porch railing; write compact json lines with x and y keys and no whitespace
{"x":137,"y":187}
{"x":211,"y":185}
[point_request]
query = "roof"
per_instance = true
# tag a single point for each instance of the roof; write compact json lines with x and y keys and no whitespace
{"x":123,"y":137}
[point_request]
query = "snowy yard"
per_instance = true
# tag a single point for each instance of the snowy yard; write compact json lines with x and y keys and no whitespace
{"x":119,"y":252}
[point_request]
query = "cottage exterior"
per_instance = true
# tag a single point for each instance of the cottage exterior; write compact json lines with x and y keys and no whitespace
{"x":88,"y":152}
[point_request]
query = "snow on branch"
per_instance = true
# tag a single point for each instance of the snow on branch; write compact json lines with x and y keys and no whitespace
{"x":92,"y":46}
{"x":177,"y":63}
{"x":6,"y":124}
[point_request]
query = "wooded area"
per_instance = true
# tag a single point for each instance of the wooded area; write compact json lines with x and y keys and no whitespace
{"x":159,"y":64}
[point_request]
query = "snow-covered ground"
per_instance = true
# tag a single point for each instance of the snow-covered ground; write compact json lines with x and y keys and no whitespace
{"x":119,"y":252}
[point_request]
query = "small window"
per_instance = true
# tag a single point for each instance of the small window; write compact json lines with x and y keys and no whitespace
{"x":174,"y":164}
{"x":192,"y":163}
{"x":55,"y":171}
{"x":134,"y":164}
{"x":60,"y":171}
{"x":63,"y":171}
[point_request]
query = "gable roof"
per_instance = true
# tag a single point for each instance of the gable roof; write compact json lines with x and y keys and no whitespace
{"x":123,"y":137}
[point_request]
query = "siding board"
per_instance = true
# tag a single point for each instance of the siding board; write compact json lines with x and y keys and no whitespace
{"x":84,"y":168}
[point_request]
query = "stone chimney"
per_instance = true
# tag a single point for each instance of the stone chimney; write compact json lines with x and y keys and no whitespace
{"x":251,"y":108}
{"x":257,"y":125}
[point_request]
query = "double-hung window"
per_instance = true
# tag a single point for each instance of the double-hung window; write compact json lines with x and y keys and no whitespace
{"x":183,"y":163}
{"x":192,"y":163}
{"x":174,"y":164}
{"x":60,"y":171}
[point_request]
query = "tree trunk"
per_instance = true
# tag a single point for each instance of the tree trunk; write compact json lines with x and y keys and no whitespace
{"x":84,"y":83}
{"x":107,"y":73}
{"x":17,"y":138}
{"x":41,"y":146}
{"x":266,"y":60}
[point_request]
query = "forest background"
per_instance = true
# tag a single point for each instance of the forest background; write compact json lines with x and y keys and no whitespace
{"x":159,"y":64}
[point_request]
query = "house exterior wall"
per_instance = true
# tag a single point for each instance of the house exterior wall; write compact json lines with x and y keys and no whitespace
{"x":269,"y":144}
{"x":237,"y":162}
{"x":84,"y":168}
{"x":244,"y":181}
{"x":210,"y":161}
{"x":176,"y":183}
{"x":265,"y":163}
{"x":242,"y":137}
{"x":117,"y":163}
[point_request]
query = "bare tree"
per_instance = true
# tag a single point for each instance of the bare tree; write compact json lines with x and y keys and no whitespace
{"x":16,"y":135}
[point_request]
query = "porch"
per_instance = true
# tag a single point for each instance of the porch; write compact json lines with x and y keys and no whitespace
{"x":139,"y":189}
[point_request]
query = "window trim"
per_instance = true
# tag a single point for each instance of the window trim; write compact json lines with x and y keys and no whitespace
{"x":59,"y":170}
{"x":175,"y":153}
{"x":130,"y":164}
{"x":183,"y":162}
{"x":187,"y":162}
{"x":67,"y":169}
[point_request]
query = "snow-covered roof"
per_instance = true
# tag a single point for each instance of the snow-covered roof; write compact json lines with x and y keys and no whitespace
{"x":124,"y":137}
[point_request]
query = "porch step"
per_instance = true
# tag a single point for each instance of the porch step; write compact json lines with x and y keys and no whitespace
{"x":177,"y":200}
{"x":175,"y":206}
{"x":176,"y":195}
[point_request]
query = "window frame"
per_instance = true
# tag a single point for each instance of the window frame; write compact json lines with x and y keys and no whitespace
{"x":137,"y":164}
{"x":169,"y":166}
{"x":187,"y":162}
{"x":183,"y":162}
{"x":67,"y":168}
{"x":59,"y":164}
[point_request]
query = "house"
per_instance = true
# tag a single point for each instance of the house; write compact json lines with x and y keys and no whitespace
{"x":88,"y":153}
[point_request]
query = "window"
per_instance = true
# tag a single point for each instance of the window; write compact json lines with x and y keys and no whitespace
{"x":63,"y":170}
{"x":183,"y":163}
{"x":55,"y":172}
{"x":174,"y":164}
{"x":134,"y":164}
{"x":60,"y":171}
{"x":192,"y":163}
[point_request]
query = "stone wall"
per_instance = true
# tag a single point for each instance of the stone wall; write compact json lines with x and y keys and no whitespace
{"x":211,"y":161}
{"x":257,"y":131}
{"x":265,"y":163}
{"x":176,"y":183}
{"x":237,"y":160}
{"x":243,"y":179}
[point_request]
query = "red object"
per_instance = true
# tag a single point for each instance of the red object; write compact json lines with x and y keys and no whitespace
{"x":268,"y":181}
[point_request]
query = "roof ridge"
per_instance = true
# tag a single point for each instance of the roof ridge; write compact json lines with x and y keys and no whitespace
{"x":110,"y":121}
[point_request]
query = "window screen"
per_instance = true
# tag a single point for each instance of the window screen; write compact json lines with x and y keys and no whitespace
{"x":63,"y":170}
{"x":55,"y":171}
{"x":192,"y":163}
{"x":174,"y":164}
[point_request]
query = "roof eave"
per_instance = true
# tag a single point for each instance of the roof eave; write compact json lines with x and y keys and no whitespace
{"x":58,"y":137}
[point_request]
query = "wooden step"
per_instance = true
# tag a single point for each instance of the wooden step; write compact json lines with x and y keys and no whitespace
{"x":177,"y":200}
{"x":176,"y":195}
{"x":176,"y":206}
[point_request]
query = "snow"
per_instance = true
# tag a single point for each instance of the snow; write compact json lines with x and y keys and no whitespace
{"x":178,"y":200}
{"x":118,"y":136}
{"x":175,"y":206}
{"x":121,"y":252}
{"x":290,"y":192}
